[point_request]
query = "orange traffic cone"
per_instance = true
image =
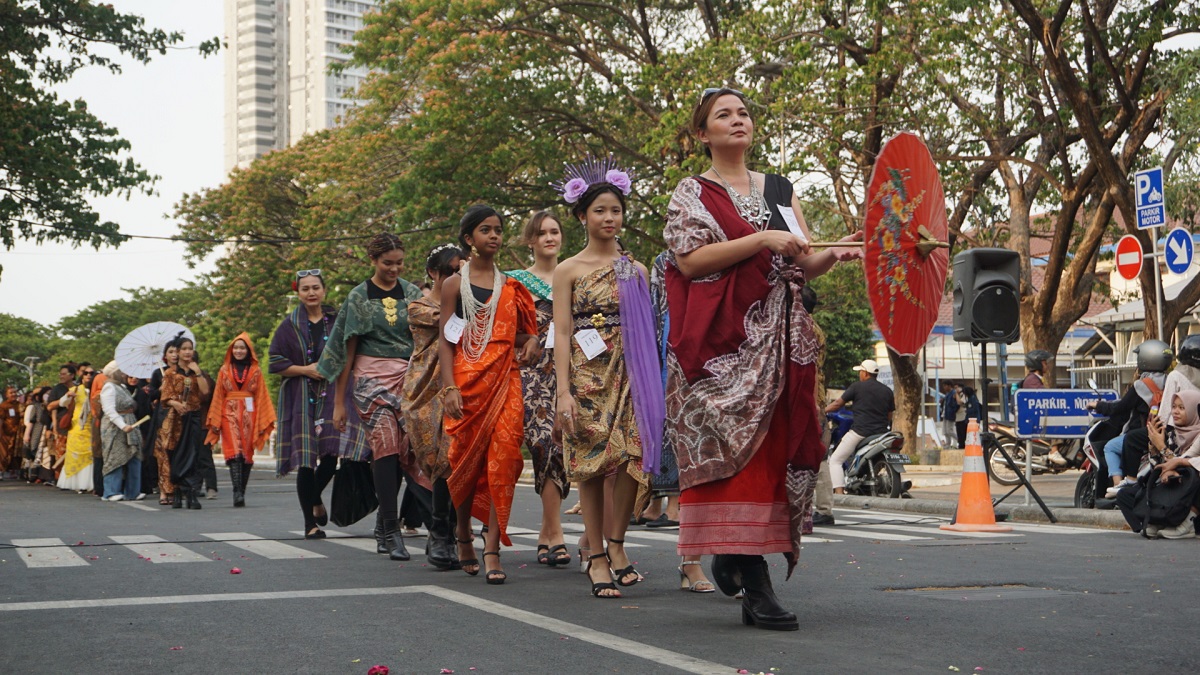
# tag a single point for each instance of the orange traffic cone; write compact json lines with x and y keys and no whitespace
{"x":975,"y":512}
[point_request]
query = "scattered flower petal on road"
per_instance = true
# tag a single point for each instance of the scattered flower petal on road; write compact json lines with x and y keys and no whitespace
{"x":236,"y":570}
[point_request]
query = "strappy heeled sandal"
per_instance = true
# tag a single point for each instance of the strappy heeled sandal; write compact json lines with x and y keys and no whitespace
{"x":585,"y":562}
{"x":470,"y":562}
{"x":543,"y":555}
{"x":600,"y":587}
{"x":619,"y":575}
{"x":558,"y":555}
{"x":494,"y":577}
{"x":686,"y":584}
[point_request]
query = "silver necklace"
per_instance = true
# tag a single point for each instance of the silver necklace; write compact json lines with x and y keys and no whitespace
{"x":752,"y":207}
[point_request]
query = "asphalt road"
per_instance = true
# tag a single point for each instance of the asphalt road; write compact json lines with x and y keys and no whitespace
{"x":112,"y":587}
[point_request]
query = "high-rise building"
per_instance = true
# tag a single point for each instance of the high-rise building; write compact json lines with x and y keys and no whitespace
{"x":256,"y":114}
{"x":277,"y":81}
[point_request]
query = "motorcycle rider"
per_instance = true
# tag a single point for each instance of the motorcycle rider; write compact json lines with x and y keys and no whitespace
{"x":1037,"y":365}
{"x":872,"y":403}
{"x":1154,"y":358}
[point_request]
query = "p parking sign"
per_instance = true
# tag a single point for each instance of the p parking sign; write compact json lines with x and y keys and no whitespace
{"x":1149,"y":199}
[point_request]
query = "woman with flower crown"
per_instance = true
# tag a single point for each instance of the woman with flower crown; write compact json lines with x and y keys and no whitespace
{"x":610,"y":396}
{"x":489,"y":327}
{"x":371,"y":340}
{"x":308,"y":441}
{"x":741,"y":361}
{"x":543,"y":234}
{"x":423,"y":409}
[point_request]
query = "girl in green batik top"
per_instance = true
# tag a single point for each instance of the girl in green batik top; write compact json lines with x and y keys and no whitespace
{"x":371,"y":339}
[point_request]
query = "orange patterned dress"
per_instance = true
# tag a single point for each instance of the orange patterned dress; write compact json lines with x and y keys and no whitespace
{"x":485,"y":445}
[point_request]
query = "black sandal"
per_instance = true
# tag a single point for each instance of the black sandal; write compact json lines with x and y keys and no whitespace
{"x":471,"y":562}
{"x":543,"y":555}
{"x":563,"y":557}
{"x":317,"y":533}
{"x":619,"y":575}
{"x":322,"y":519}
{"x":494,"y":577}
{"x":600,"y":587}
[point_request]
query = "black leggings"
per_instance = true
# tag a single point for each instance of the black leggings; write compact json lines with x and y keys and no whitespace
{"x":388,"y":479}
{"x":310,"y":484}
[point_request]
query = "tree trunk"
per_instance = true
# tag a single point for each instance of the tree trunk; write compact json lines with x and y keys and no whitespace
{"x":910,"y":395}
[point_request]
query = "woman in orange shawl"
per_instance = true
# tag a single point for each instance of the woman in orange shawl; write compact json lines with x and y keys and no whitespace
{"x":241,"y":415}
{"x":486,"y":317}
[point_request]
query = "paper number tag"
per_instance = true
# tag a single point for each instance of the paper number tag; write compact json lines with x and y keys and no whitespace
{"x":13,"y":413}
{"x":591,"y":343}
{"x":789,"y":217}
{"x":454,"y":329}
{"x":550,"y":336}
{"x":249,"y":405}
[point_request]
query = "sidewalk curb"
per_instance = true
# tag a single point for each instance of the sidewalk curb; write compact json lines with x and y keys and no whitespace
{"x":1110,"y":520}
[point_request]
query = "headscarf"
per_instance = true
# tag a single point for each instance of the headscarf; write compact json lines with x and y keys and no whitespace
{"x":1187,"y":434}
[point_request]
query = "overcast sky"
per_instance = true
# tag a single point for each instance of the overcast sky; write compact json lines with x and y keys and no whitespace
{"x":171,"y":111}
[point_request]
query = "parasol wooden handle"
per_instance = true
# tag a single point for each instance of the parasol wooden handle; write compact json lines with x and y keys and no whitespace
{"x":925,"y":245}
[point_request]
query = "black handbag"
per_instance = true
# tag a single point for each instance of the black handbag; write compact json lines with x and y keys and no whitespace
{"x":353,"y":493}
{"x":1160,"y":504}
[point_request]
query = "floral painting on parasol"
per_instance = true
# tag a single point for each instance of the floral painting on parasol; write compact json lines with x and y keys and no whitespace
{"x":906,"y":256}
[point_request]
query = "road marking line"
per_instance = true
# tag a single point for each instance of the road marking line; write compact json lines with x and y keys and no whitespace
{"x":51,"y":552}
{"x":882,"y":536}
{"x":157,"y":549}
{"x":885,"y":515}
{"x":568,"y":539}
{"x":689,"y":664}
{"x":271,"y":550}
{"x":345,"y":539}
{"x":929,"y":530}
{"x":138,"y":505}
{"x":616,"y":643}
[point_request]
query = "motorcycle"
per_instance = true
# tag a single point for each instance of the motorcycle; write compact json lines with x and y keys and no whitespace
{"x":1093,"y":482}
{"x":875,"y":467}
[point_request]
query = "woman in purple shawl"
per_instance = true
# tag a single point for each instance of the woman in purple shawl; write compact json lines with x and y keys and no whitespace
{"x":307,"y":438}
{"x":610,"y":397}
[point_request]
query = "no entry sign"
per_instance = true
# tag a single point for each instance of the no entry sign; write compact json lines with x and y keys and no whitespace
{"x":1129,"y":257}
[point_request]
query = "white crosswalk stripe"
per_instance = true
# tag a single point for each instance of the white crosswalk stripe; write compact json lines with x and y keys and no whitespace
{"x":271,"y":550}
{"x":47,"y":552}
{"x":157,"y":549}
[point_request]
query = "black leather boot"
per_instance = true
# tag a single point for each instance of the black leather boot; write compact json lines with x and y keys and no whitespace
{"x":245,"y":480}
{"x":177,"y":498}
{"x":393,"y":540}
{"x":760,"y":607}
{"x":193,"y":500}
{"x":440,"y":548}
{"x":235,"y":476}
{"x":380,"y":543}
{"x":727,"y":573}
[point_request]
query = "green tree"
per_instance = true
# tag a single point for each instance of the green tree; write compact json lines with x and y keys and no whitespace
{"x":845,"y":316}
{"x":55,"y":154}
{"x":20,"y":339}
{"x":92,"y":333}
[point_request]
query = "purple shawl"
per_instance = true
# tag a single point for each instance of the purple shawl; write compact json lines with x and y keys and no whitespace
{"x":641,"y":358}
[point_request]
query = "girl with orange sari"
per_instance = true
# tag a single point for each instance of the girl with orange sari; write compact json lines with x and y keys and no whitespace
{"x":241,"y":414}
{"x":489,"y":327}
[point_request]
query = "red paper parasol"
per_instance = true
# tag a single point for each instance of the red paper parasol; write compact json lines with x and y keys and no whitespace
{"x":905,"y":254}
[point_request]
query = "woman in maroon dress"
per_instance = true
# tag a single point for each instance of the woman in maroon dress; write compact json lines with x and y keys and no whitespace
{"x":742,"y":361}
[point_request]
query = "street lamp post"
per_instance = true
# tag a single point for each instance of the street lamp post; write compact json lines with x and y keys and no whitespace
{"x":27,"y":367}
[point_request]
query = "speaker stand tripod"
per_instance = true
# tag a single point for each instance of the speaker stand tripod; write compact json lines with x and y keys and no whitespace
{"x":988,"y":440}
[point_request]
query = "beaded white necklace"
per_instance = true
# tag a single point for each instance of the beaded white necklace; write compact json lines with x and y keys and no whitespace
{"x":480,"y":317}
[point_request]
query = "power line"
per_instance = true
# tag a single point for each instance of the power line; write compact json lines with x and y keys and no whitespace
{"x":201,"y":240}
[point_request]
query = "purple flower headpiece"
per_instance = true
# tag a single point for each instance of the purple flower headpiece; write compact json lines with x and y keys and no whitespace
{"x":592,"y":171}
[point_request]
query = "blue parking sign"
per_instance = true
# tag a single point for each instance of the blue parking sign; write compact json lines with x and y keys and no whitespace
{"x":1057,"y":413}
{"x":1149,"y":198}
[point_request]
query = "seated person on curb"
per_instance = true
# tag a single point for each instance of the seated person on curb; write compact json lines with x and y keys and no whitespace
{"x":872,"y":403}
{"x":1185,"y":377}
{"x":1176,"y":446}
{"x":1154,"y":359}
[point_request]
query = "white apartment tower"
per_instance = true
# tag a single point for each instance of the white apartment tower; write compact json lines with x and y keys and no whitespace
{"x":255,"y":79}
{"x":277,"y":81}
